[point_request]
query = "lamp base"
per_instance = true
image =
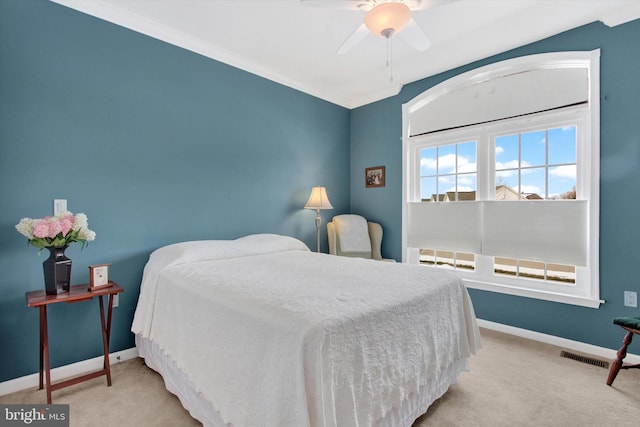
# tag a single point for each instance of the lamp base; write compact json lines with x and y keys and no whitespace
{"x":318,"y":222}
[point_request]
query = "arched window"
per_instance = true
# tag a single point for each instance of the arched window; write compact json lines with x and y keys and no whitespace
{"x":501,"y":177}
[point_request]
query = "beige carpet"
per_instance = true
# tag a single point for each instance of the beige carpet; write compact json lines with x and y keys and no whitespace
{"x":512,"y":382}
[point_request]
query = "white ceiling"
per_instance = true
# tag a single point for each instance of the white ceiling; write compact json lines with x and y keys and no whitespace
{"x":295,"y":44}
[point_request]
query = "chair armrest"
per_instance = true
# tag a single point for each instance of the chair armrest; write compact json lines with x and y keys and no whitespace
{"x":331,"y":234}
{"x":375,"y":235}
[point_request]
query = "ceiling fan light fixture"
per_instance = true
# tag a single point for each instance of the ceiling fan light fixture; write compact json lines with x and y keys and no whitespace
{"x":387,"y":19}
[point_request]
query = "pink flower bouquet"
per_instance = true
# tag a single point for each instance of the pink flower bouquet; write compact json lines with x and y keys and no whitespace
{"x":56,"y":231}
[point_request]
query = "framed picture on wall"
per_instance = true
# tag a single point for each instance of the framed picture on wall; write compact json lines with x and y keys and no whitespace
{"x":374,"y":177}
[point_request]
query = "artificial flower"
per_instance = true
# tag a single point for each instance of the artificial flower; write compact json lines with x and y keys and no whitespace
{"x":56,"y":231}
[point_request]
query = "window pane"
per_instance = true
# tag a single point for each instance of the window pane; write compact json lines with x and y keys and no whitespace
{"x":453,"y":168}
{"x":467,"y":157}
{"x":446,"y":159}
{"x":427,"y":256}
{"x":447,"y":188}
{"x":428,"y":189}
{"x":428,"y":161}
{"x":562,"y":182}
{"x":448,"y":259}
{"x":507,"y":153}
{"x":532,"y":185}
{"x":562,"y":145}
{"x":467,"y":186}
{"x":507,"y":185}
{"x":507,"y":167}
{"x":445,"y":259}
{"x":465,"y":261}
{"x":528,"y":177}
{"x":533,"y":149}
{"x":505,"y":266}
{"x":531,"y":269}
{"x":561,"y":273}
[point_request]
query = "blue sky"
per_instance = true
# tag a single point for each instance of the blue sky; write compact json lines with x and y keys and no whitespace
{"x":520,"y":164}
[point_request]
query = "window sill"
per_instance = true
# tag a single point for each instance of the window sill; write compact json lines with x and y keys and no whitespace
{"x":537,"y":294}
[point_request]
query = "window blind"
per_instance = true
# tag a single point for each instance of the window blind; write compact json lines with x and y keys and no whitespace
{"x":542,"y":230}
{"x":512,"y":95}
{"x":455,"y":226}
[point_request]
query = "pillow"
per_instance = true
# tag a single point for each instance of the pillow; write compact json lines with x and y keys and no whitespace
{"x":200,"y":250}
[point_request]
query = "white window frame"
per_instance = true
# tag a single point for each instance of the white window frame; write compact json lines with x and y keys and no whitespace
{"x":586,"y":292}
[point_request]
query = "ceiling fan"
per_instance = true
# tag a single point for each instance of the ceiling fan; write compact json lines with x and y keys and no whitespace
{"x":384,"y":18}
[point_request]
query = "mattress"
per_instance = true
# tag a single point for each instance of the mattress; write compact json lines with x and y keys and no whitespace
{"x":262,"y":331}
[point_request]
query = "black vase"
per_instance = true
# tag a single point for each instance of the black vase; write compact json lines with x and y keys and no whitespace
{"x":57,"y":272}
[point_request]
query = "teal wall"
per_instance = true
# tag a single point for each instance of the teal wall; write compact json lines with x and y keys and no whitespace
{"x":156,"y":145}
{"x":376,"y":131}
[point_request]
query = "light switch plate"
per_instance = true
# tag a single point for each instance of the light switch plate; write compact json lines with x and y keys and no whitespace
{"x":59,"y":206}
{"x":630,"y":299}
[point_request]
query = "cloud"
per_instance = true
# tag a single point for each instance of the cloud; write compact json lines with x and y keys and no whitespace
{"x":565,"y":172}
{"x":447,"y":164}
{"x":466,"y":180}
{"x":429,"y":163}
{"x":511,"y":164}
{"x":499,"y":149}
{"x":506,"y":174}
{"x":461,"y":188}
{"x":468,"y":167}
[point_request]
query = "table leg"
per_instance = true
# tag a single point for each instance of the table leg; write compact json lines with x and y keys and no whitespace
{"x":106,"y":329}
{"x":41,"y":366}
{"x":111,"y":296}
{"x":108,"y":336}
{"x":44,"y":350}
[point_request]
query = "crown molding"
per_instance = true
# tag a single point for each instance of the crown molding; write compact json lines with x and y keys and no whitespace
{"x":124,"y":18}
{"x":622,"y":15}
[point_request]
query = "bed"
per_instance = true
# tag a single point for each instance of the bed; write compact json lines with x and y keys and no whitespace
{"x":260,"y":331}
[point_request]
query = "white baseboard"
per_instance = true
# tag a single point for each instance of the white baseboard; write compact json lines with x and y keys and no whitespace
{"x":578,"y":346}
{"x":67,"y":371}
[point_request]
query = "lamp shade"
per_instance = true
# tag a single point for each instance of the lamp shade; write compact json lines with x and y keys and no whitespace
{"x":387,"y":16}
{"x":318,"y":199}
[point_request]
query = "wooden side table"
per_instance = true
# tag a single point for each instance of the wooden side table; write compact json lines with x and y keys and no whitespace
{"x":76,"y":293}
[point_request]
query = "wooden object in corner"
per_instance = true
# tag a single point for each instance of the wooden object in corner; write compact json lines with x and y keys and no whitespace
{"x":77,"y":293}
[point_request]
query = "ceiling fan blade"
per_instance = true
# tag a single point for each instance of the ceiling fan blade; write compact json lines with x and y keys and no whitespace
{"x":338,"y":4}
{"x":414,"y":36}
{"x":356,"y":37}
{"x":369,"y":4}
{"x":425,"y":4}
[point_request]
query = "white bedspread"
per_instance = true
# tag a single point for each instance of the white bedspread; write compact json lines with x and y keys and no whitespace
{"x":275,"y":335}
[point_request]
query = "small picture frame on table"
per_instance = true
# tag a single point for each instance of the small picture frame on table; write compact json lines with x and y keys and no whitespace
{"x":374,"y":177}
{"x":99,"y":276}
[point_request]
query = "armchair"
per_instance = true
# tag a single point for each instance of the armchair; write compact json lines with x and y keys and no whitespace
{"x":353,"y":236}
